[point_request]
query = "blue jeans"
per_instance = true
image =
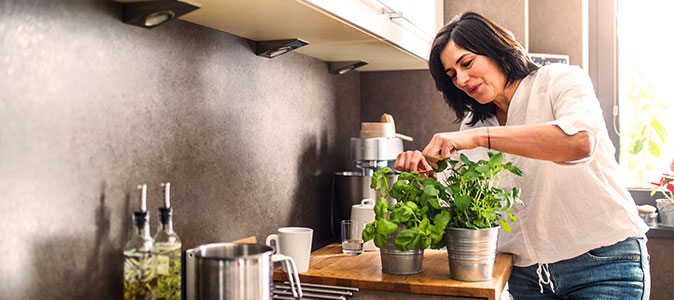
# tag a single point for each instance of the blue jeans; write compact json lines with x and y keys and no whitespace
{"x":619,"y":271}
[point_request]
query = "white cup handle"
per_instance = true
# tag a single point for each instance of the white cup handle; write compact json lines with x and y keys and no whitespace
{"x":270,"y":238}
{"x":293,"y":276}
{"x":367,"y":202}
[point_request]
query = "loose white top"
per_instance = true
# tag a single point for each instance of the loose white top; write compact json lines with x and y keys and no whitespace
{"x":571,"y":207}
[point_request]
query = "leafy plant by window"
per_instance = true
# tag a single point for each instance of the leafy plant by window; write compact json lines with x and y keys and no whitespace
{"x":665,"y":186}
{"x":469,"y":198}
{"x":642,"y":139}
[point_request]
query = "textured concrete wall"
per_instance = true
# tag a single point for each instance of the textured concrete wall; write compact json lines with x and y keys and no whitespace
{"x":556,"y":27}
{"x":509,"y":14}
{"x":417,"y":107}
{"x":90,"y":107}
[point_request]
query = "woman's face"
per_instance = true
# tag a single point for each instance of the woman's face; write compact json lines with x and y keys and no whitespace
{"x":476,"y":75}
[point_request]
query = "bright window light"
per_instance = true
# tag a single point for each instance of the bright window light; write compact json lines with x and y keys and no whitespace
{"x":646,"y":95}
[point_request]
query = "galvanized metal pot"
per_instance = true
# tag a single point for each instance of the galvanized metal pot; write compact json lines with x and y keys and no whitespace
{"x":234,"y":271}
{"x":471,"y":253}
{"x":394,"y":261}
{"x":666,"y":211}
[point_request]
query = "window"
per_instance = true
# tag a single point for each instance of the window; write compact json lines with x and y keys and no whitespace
{"x":646,"y":101}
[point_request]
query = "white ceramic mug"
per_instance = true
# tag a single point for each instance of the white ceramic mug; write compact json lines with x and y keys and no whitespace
{"x":294,"y":242}
{"x":364,"y":213}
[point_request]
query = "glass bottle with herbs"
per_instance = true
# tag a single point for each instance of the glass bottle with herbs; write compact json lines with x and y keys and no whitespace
{"x":140,"y":281}
{"x":167,"y":246}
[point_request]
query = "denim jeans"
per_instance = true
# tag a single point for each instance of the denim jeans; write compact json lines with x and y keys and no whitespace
{"x":619,"y":271}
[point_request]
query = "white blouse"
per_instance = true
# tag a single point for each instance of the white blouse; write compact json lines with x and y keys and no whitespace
{"x":571,"y":207}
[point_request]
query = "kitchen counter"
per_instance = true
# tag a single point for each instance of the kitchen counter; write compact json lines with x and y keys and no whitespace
{"x":329,"y":266}
{"x":661,"y":232}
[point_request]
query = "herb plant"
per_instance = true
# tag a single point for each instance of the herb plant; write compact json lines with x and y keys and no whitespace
{"x":474,"y":199}
{"x":418,"y":208}
{"x":469,"y":198}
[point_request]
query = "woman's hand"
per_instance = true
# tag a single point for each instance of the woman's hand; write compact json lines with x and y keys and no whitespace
{"x":409,"y":161}
{"x":444,"y":145}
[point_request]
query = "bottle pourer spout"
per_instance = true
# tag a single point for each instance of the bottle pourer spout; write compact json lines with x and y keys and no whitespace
{"x":167,"y":194}
{"x":143,"y":197}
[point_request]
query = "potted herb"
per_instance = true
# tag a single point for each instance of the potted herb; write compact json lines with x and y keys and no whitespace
{"x":415,"y":222}
{"x":477,"y":208}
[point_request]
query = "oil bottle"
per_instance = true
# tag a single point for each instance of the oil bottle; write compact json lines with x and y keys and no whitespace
{"x":140,"y":280}
{"x":168,"y":248}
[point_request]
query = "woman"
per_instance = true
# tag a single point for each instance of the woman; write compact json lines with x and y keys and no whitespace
{"x":578,"y":234}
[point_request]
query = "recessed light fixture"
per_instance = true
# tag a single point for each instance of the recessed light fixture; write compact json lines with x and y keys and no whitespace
{"x":341,"y":67}
{"x":271,"y":49}
{"x":149,"y":14}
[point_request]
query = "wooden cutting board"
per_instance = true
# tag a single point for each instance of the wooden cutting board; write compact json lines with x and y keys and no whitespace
{"x":329,"y":266}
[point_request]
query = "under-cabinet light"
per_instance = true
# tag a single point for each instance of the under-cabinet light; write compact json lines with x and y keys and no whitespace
{"x":341,"y":67}
{"x":271,"y":49}
{"x":149,"y":14}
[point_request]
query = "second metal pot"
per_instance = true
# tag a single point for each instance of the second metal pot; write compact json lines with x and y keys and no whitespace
{"x":471,"y":253}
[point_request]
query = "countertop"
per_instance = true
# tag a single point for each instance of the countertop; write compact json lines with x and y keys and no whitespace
{"x":661,"y":232}
{"x":329,"y":266}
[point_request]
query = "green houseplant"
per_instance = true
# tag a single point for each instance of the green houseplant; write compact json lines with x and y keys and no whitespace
{"x":477,"y":209}
{"x":428,"y":211}
{"x":415,"y":222}
{"x":475,"y":200}
{"x":665,"y":205}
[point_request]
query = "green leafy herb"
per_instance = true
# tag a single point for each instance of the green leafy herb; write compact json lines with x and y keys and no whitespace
{"x":468,"y":198}
{"x":417,"y":208}
{"x":474,"y":199}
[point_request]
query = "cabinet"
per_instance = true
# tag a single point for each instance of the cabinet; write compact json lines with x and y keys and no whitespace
{"x":337,"y":30}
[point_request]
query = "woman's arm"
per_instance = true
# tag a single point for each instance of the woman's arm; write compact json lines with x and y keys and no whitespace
{"x":541,"y":141}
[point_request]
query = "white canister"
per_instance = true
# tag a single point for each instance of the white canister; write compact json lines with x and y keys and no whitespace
{"x":364,"y":212}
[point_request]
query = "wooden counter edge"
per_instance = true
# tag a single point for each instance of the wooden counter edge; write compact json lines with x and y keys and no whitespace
{"x":366,"y":284}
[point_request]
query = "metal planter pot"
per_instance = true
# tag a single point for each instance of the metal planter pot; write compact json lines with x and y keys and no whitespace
{"x":394,"y":261}
{"x":471,"y":253}
{"x":666,"y":211}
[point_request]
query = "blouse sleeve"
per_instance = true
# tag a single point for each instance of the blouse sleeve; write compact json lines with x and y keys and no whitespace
{"x":575,"y":106}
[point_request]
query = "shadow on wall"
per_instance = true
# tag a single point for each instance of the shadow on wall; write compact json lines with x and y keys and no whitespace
{"x":310,"y":202}
{"x":56,"y":263}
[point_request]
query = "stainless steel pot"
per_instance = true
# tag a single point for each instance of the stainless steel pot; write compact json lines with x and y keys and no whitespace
{"x":235,"y":271}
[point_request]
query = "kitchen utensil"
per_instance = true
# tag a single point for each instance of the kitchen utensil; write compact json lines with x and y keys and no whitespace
{"x":364,"y":213}
{"x":426,"y":172}
{"x":294,"y":242}
{"x":226,"y":271}
{"x":352,"y":239}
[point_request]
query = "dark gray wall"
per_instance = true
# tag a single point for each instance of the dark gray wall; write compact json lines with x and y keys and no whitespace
{"x":509,"y":14}
{"x":556,"y":27}
{"x":417,"y":107}
{"x":90,"y":107}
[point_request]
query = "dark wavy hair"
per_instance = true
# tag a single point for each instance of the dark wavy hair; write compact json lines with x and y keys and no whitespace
{"x":481,"y":36}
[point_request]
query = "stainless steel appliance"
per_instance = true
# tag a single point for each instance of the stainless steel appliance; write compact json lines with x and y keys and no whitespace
{"x":225,"y":271}
{"x":349,"y":188}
